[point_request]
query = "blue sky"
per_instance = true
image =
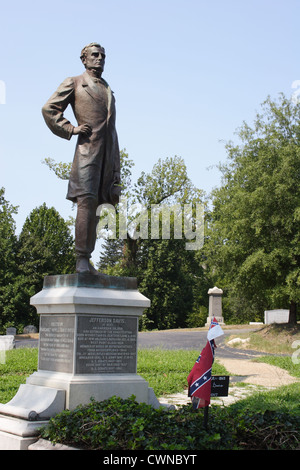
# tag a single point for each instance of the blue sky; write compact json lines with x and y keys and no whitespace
{"x":186,"y":74}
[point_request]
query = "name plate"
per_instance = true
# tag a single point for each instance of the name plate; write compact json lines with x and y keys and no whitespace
{"x":219,"y":385}
{"x":106,"y":344}
{"x":88,"y":344}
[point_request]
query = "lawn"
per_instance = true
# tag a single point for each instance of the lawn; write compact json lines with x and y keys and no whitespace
{"x":165,"y":371}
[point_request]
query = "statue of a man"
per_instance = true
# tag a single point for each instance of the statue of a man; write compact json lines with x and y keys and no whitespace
{"x":95,"y":173}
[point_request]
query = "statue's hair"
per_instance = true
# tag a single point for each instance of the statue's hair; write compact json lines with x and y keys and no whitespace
{"x":84,"y":50}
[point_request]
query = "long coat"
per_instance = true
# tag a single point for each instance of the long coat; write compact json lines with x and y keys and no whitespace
{"x":97,"y":157}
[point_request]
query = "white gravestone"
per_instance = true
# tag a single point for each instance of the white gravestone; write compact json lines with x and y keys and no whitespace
{"x":276,"y":316}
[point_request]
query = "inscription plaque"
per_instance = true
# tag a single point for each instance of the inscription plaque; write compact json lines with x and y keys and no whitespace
{"x":219,"y":385}
{"x":56,"y":344}
{"x":106,"y":344}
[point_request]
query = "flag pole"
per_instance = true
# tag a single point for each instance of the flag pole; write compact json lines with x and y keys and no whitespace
{"x":205,"y":420}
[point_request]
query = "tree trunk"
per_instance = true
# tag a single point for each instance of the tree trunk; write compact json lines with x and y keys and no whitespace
{"x":293,"y":313}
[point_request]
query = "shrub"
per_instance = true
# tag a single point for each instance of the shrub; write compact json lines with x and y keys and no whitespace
{"x":118,"y":424}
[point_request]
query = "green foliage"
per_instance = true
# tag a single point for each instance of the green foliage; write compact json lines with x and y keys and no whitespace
{"x":118,"y":424}
{"x":45,"y":246}
{"x":167,"y":273}
{"x":61,"y":169}
{"x":8,"y":264}
{"x":268,"y":430}
{"x":253,"y":238}
{"x":168,"y":280}
{"x":126,"y":425}
{"x":198,"y":317}
{"x":168,"y":182}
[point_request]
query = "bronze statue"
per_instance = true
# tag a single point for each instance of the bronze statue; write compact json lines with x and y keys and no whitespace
{"x":95,"y":173}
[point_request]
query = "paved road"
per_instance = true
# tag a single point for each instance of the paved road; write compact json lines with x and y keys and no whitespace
{"x":183,"y":339}
{"x":179,"y":339}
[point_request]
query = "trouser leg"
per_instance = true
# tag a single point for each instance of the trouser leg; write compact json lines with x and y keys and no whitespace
{"x":85,"y":231}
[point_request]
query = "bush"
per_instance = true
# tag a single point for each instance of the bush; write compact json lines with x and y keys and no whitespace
{"x":118,"y":424}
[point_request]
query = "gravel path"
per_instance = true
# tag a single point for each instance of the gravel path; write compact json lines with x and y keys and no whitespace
{"x":258,"y":376}
{"x":258,"y":373}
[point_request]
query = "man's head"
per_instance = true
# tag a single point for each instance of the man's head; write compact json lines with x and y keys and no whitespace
{"x":93,"y":56}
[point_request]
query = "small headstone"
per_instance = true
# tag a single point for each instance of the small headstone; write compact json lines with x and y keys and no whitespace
{"x":7,"y":342}
{"x":30,"y":329}
{"x":276,"y":316}
{"x":11,"y":331}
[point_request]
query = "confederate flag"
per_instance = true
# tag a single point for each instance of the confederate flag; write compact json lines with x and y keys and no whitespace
{"x":199,"y":379}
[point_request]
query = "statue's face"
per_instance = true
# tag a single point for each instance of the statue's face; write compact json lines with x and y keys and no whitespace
{"x":95,"y":58}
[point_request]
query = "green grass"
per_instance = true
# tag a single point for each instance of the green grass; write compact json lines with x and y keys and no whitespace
{"x":165,"y":370}
{"x":282,"y":399}
{"x":265,"y":420}
{"x":19,"y":364}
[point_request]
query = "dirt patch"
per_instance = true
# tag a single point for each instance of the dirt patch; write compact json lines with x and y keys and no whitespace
{"x":258,"y":373}
{"x":235,"y":393}
{"x":27,"y":336}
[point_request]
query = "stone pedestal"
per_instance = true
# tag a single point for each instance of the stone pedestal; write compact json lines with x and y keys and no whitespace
{"x":88,"y":337}
{"x":215,"y":306}
{"x":87,"y":349}
{"x":30,"y":409}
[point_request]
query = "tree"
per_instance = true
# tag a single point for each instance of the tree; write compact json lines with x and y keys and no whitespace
{"x":166,"y":271}
{"x":45,"y":247}
{"x":253,"y":248}
{"x":8,"y":266}
{"x":170,"y":278}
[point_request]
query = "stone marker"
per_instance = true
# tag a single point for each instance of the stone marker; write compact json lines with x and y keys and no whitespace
{"x":7,"y":342}
{"x":215,"y":306}
{"x":29,"y":329}
{"x":276,"y":316}
{"x":11,"y":331}
{"x":88,"y":337}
